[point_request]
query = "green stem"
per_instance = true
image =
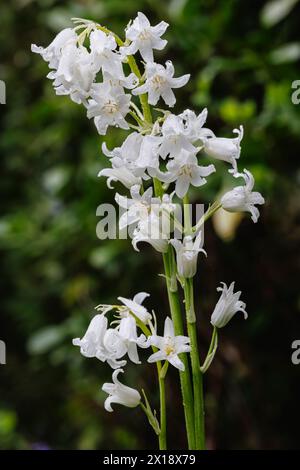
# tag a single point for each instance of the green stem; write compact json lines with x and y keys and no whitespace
{"x":162,"y":437}
{"x":176,"y":314}
{"x":192,"y":332}
{"x":187,"y":218}
{"x":196,"y":372}
{"x":143,"y":98}
{"x":163,"y":416}
{"x":211,"y":351}
{"x":209,"y":213}
{"x":185,"y":379}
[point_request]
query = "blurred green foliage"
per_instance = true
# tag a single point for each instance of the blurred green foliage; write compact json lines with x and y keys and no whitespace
{"x":243,"y":57}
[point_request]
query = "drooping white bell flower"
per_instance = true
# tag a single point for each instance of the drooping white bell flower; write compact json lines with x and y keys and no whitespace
{"x":242,"y":198}
{"x":159,"y":83}
{"x":114,"y":348}
{"x":52,"y":53}
{"x":193,"y":125}
{"x":120,"y":393}
{"x":173,"y":137}
{"x":225,"y":149}
{"x":135,"y":306}
{"x":227,"y":306}
{"x":123,"y":160}
{"x":118,"y":81}
{"x":127,"y":330}
{"x":166,"y":205}
{"x":122,"y":174}
{"x":185,"y":171}
{"x":75,"y":73}
{"x":108,"y":107}
{"x":148,"y":156}
{"x":169,"y":346}
{"x":144,"y":37}
{"x":153,"y":231}
{"x":102,"y":52}
{"x":103,"y":343}
{"x":129,"y":150}
{"x":93,"y":338}
{"x":187,"y":254}
{"x":138,"y":207}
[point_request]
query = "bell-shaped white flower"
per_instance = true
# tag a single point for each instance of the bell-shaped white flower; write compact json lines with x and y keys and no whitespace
{"x":166,"y":205}
{"x":242,"y":198}
{"x":187,"y":254}
{"x":193,"y":125}
{"x":114,"y":348}
{"x":108,"y":107}
{"x":159,"y":83}
{"x":120,"y":393}
{"x":225,"y":149}
{"x":138,"y":208}
{"x":185,"y":171}
{"x":103,"y":53}
{"x":129,"y":150}
{"x":75,"y":73}
{"x":227,"y":306}
{"x":123,"y":161}
{"x":144,"y":37}
{"x":103,"y":343}
{"x":173,"y":137}
{"x":122,"y":174}
{"x":135,"y":306}
{"x":52,"y":53}
{"x":169,"y":346}
{"x":152,"y":231}
{"x":148,"y":156}
{"x":118,"y":81}
{"x":128,"y":332}
{"x":93,"y":338}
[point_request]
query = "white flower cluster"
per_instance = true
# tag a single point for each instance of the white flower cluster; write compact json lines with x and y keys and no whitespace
{"x":111,"y":344}
{"x":170,"y":149}
{"x":89,"y":64}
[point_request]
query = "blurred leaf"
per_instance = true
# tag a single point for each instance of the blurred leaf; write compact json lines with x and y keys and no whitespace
{"x":234,"y":112}
{"x":45,"y":339}
{"x":8,"y":421}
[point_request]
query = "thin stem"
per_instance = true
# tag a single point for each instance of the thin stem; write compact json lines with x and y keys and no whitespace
{"x":211,"y":351}
{"x":176,"y":314}
{"x":162,"y":437}
{"x":185,"y":379}
{"x":143,"y":98}
{"x":137,"y":110}
{"x":196,"y":372}
{"x":192,"y":332}
{"x":213,"y":340}
{"x":187,"y":215}
{"x":210,"y":211}
{"x":163,"y":415}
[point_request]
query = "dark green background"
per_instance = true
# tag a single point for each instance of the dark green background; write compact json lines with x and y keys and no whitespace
{"x":54,"y":270}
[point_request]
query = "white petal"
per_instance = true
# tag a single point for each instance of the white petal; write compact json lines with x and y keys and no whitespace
{"x":140,"y":297}
{"x":176,"y":362}
{"x":168,"y":97}
{"x":157,"y":356}
{"x":180,"y":81}
{"x":169,"y":327}
{"x":182,"y":186}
